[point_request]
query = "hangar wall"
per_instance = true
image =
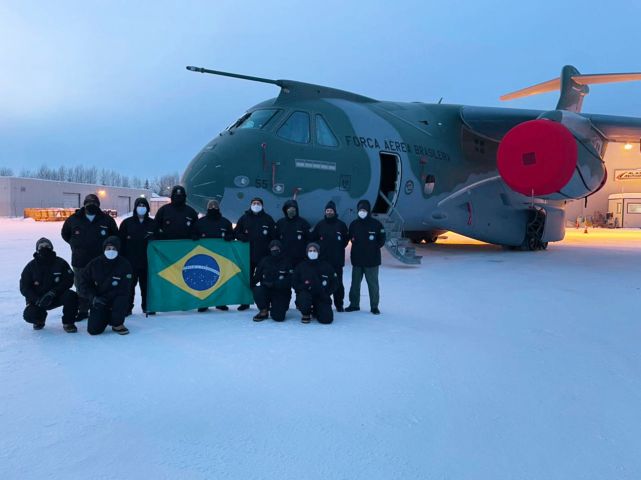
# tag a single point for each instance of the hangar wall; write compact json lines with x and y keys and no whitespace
{"x":18,"y":193}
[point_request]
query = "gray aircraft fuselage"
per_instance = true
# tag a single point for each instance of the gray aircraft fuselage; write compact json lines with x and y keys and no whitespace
{"x":436,"y":164}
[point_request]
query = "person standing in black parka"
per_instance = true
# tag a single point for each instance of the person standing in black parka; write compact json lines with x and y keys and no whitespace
{"x":176,"y":220}
{"x":46,"y":283}
{"x":85,"y":231}
{"x":257,"y":228}
{"x":293,"y":231}
{"x":368,"y":237}
{"x":214,"y":225}
{"x":135,"y":233}
{"x":332,"y":236}
{"x":314,"y":281}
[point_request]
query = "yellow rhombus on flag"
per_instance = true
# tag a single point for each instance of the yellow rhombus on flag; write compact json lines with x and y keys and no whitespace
{"x":206,"y":272}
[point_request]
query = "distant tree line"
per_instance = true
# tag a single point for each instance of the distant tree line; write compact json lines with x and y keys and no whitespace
{"x":81,"y":174}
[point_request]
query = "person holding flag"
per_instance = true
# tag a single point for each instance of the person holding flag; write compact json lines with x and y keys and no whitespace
{"x":214,"y":225}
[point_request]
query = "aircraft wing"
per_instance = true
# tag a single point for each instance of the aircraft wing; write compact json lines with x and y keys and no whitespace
{"x":615,"y":128}
{"x":494,"y":123}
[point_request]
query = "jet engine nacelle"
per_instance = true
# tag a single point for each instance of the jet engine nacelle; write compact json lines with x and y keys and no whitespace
{"x":555,"y":157}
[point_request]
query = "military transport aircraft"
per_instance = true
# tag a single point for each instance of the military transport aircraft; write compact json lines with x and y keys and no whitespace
{"x":498,"y":175}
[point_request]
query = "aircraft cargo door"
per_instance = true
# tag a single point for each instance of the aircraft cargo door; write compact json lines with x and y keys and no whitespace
{"x":389,"y":182}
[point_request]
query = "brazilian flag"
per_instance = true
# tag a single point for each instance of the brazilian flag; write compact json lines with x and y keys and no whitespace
{"x":185,"y":275}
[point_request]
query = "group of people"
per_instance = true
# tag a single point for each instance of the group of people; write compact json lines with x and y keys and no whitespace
{"x":108,"y":262}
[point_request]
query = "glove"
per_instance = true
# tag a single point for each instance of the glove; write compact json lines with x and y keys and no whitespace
{"x":46,"y":299}
{"x":98,"y":302}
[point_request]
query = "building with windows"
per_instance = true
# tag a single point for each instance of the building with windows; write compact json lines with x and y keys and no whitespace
{"x":17,"y":193}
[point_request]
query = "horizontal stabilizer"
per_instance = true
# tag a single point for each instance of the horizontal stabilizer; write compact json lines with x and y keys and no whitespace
{"x":573,"y":86}
{"x":545,"y":87}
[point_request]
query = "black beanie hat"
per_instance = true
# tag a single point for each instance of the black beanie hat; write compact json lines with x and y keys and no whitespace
{"x":44,"y":241}
{"x":276,"y":243}
{"x":313,"y":244}
{"x":331,"y":205}
{"x":178,"y":191}
{"x":364,"y":205}
{"x":257,"y":199}
{"x":92,"y":198}
{"x":113,"y":241}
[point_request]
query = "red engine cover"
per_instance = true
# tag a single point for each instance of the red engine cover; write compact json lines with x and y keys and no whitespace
{"x":537,"y":157}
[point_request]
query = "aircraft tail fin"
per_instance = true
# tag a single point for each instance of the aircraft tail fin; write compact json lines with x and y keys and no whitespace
{"x":573,"y":86}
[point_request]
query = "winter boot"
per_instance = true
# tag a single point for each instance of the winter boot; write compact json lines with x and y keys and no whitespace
{"x":38,"y":326}
{"x":203,"y":309}
{"x":120,"y":330}
{"x":69,"y":328}
{"x":242,"y":307}
{"x":260,"y":316}
{"x":224,"y":308}
{"x":376,"y":311}
{"x":352,"y":308}
{"x":306,"y":319}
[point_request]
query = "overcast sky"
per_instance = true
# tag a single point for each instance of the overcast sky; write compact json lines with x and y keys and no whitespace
{"x":104,"y":83}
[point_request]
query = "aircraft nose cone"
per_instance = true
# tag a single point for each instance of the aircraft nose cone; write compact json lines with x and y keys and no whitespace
{"x":204,"y":179}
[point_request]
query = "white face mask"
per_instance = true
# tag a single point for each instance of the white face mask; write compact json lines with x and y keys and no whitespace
{"x":256,"y":208}
{"x":141,"y":210}
{"x":111,"y":254}
{"x":362,"y":213}
{"x":312,"y":255}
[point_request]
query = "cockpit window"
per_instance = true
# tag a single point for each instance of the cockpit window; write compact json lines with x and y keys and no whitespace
{"x":324,"y":135}
{"x":296,"y":128}
{"x":255,"y":119}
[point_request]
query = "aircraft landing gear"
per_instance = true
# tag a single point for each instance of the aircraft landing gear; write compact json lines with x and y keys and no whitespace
{"x":534,"y":231}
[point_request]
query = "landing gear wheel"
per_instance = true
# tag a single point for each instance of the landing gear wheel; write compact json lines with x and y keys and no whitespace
{"x":532,"y":244}
{"x":534,"y":231}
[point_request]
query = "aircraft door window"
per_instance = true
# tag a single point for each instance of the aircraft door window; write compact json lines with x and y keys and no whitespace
{"x":324,"y":134}
{"x":296,"y":128}
{"x":257,"y":119}
{"x":428,"y":187}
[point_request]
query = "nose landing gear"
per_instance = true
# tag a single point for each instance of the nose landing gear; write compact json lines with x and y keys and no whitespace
{"x":534,"y":231}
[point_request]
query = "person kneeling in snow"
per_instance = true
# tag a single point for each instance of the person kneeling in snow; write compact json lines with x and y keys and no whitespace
{"x":314,"y":282}
{"x":273,"y":277}
{"x":106,"y":283}
{"x":45,"y":283}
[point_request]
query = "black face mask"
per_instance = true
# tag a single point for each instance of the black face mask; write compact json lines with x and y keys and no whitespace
{"x":275,"y":252}
{"x":178,"y":200}
{"x":213,"y":212}
{"x":46,"y":254}
{"x":92,"y":209}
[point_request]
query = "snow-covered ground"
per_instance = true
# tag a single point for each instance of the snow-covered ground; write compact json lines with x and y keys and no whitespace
{"x":485,"y":364}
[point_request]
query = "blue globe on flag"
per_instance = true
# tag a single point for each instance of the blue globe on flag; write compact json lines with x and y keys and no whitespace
{"x":201,"y":272}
